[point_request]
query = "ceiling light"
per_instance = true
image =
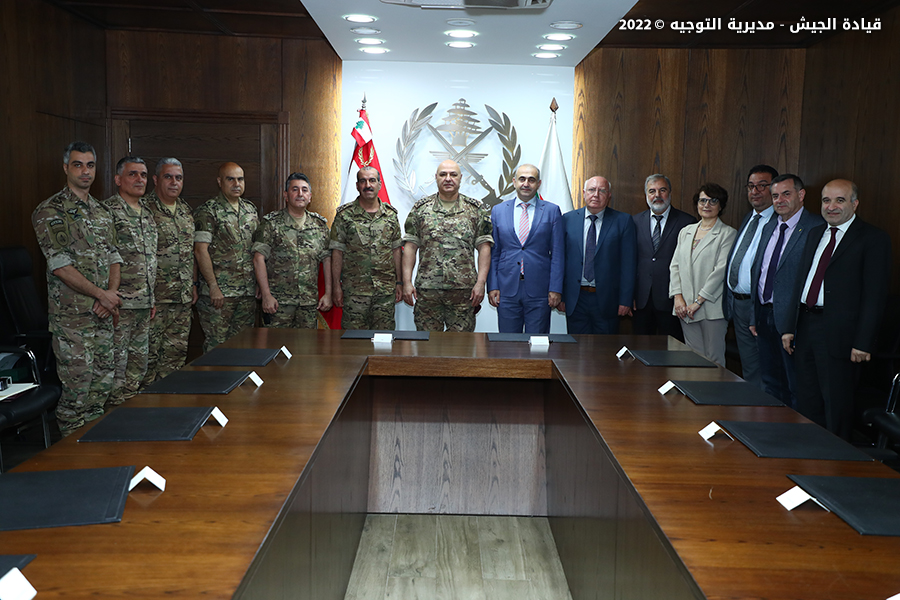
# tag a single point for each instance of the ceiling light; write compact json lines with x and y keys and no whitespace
{"x":566,"y":25}
{"x":369,"y":41}
{"x":551,"y":47}
{"x":461,"y":33}
{"x":559,"y":37}
{"x":460,"y":22}
{"x":365,"y":31}
{"x":545,"y":55}
{"x":360,"y":18}
{"x":460,"y":44}
{"x":371,"y":50}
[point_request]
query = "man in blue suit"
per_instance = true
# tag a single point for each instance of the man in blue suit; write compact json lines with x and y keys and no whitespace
{"x":601,"y":261}
{"x":526,"y":276}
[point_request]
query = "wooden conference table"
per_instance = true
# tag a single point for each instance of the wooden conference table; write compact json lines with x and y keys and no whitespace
{"x":272,"y":505}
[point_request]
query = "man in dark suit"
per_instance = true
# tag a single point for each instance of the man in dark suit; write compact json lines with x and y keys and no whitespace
{"x":773,"y":276}
{"x":657,"y":233}
{"x":601,"y":259}
{"x":839,"y":296}
{"x":738,"y":285}
{"x":526,"y":276}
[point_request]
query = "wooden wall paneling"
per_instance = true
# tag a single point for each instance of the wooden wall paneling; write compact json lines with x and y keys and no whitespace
{"x":311,"y":94}
{"x":269,"y":185}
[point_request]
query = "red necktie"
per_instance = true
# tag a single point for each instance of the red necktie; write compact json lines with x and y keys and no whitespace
{"x":819,"y":277}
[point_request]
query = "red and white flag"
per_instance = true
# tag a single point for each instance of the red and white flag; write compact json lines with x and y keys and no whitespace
{"x":364,"y":155}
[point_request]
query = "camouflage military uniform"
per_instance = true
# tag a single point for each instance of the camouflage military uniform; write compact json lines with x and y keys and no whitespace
{"x":81,"y":234}
{"x":170,"y":329}
{"x":137,"y":240}
{"x":447,"y":240}
{"x":293,"y":253}
{"x":229,"y":233}
{"x":368,"y":276}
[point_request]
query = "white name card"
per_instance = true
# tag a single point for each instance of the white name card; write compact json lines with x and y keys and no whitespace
{"x":794,"y":497}
{"x":255,"y":378}
{"x":151,"y":476}
{"x":286,"y":352}
{"x":894,"y":597}
{"x":541,"y":341}
{"x":711,"y":430}
{"x":383,"y":338}
{"x":666,"y":387}
{"x":219,"y":416}
{"x":14,"y":586}
{"x":622,"y":352}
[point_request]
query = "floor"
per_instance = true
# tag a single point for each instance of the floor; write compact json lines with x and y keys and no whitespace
{"x":447,"y":557}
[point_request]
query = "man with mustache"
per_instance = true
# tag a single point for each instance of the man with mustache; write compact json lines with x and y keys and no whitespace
{"x":365,"y":257}
{"x":78,"y":239}
{"x":223,"y":238}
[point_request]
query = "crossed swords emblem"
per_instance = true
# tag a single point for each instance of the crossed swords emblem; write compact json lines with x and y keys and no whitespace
{"x":461,"y":158}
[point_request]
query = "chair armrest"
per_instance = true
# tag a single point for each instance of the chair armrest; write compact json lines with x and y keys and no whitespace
{"x":35,"y":372}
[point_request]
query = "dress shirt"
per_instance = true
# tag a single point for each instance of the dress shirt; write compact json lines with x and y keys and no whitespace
{"x":826,"y":236}
{"x":517,"y":213}
{"x":770,"y":248}
{"x":662,"y":222}
{"x":744,"y":275}
{"x":587,"y":227}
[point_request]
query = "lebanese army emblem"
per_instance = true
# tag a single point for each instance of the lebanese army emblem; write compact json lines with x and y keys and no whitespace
{"x":458,"y":136}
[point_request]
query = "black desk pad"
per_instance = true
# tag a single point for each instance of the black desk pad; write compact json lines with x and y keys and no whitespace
{"x":726,"y":393}
{"x":556,"y":338}
{"x":368,"y":334}
{"x":39,"y":499}
{"x":792,"y":440}
{"x":867,"y":504}
{"x":153,"y":424}
{"x":8,"y":562}
{"x":236,"y":357}
{"x":197,"y":382}
{"x":671,"y":358}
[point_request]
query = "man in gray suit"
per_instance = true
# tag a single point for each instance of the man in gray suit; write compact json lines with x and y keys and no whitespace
{"x":774,"y":275}
{"x":738,"y":297}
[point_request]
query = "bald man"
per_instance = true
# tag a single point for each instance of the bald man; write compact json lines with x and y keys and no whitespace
{"x":448,"y":227}
{"x":223,"y":238}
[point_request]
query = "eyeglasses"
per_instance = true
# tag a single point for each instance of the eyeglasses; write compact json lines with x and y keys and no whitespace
{"x":710,"y":201}
{"x":759,"y":187}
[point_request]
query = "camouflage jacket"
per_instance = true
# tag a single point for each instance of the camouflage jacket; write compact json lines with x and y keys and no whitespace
{"x":229,"y":234}
{"x":293,"y":254}
{"x":73,"y":232}
{"x":447,"y":240}
{"x":136,"y":237}
{"x":175,"y":250}
{"x":367,"y":241}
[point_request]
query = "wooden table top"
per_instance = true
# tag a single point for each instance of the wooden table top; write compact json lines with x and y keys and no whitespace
{"x":715,"y":502}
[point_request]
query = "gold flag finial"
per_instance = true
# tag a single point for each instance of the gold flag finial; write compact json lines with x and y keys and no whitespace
{"x":554,"y":105}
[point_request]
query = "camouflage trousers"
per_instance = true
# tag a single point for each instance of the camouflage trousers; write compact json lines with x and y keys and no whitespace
{"x":436,"y":308}
{"x":131,"y":348}
{"x":220,"y":324}
{"x":169,"y":332}
{"x":83,"y":345}
{"x":291,"y":315}
{"x":368,"y":312}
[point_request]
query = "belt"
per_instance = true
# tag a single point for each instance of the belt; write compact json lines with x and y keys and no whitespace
{"x":588,"y":288}
{"x":741,"y":296}
{"x":815,"y":310}
{"x":521,"y":276}
{"x":767,"y":305}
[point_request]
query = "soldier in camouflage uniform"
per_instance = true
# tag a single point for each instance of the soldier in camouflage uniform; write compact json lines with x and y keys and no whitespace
{"x":365,"y":257}
{"x":176,"y":271}
{"x":78,"y":239}
{"x":137,"y":239}
{"x":287,"y":249}
{"x":223,"y":237}
{"x":448,"y":227}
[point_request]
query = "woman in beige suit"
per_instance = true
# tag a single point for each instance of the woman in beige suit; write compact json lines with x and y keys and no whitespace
{"x":697,"y":274}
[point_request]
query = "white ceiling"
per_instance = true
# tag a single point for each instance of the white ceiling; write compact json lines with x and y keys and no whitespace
{"x":505,"y":36}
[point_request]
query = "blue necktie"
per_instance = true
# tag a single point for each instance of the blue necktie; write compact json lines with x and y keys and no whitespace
{"x":657,"y":232}
{"x":590,"y":248}
{"x":773,"y":266}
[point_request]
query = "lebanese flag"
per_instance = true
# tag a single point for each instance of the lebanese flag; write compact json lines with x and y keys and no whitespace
{"x":364,"y":155}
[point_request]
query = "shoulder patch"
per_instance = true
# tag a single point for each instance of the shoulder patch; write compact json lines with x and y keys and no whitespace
{"x":272,"y":215}
{"x":389,"y":207}
{"x":343,"y":207}
{"x":473,"y":201}
{"x":422,"y":202}
{"x":317,"y":216}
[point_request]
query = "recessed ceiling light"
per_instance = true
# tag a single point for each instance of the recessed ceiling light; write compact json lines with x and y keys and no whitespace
{"x":365,"y":31}
{"x":461,"y":33}
{"x":545,"y":55}
{"x":369,"y":41}
{"x":551,"y":47}
{"x":360,"y":18}
{"x":460,"y":44}
{"x":559,"y":37}
{"x":566,"y":25}
{"x":371,"y":50}
{"x":460,"y":22}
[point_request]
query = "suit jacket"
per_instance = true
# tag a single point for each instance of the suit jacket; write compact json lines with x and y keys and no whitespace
{"x":729,"y":296}
{"x":786,"y":273}
{"x":652,"y":282}
{"x":702,"y":271}
{"x":855,"y":286}
{"x":615,"y":260}
{"x":542,"y":251}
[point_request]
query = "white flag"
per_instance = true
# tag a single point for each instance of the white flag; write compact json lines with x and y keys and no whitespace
{"x":554,"y":180}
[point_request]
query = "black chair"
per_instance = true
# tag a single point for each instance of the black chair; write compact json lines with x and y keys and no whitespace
{"x":36,"y":402}
{"x":887,"y":422}
{"x":23,"y":308}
